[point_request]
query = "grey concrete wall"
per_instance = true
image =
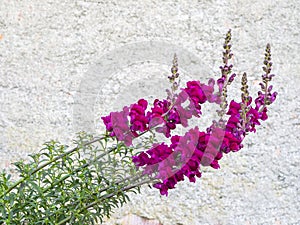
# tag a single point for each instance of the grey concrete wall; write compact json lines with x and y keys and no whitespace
{"x":50,"y":49}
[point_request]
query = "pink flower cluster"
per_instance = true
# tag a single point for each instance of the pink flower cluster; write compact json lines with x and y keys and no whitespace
{"x":164,"y":116}
{"x":187,"y":153}
{"x":184,"y":156}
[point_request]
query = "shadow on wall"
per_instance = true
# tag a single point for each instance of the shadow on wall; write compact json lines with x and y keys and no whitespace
{"x":132,"y":219}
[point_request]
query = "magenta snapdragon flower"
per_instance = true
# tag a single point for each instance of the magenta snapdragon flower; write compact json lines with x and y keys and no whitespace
{"x":185,"y":155}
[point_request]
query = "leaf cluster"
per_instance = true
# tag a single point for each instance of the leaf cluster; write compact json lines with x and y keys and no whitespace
{"x":60,"y":185}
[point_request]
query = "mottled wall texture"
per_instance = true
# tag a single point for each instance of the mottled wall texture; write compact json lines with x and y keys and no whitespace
{"x":53,"y":52}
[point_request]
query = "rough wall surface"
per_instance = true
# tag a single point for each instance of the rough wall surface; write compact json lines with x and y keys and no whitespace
{"x":48,"y":47}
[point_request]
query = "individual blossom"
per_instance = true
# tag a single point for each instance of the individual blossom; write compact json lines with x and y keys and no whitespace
{"x":117,"y":126}
{"x":121,"y":130}
{"x":198,"y":94}
{"x":159,"y":115}
{"x":108,"y":124}
{"x":153,"y":157}
{"x":138,"y":120}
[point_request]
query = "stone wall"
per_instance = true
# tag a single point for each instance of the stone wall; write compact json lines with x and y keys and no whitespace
{"x":52,"y":53}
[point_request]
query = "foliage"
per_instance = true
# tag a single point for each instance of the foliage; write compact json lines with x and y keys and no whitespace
{"x":79,"y":185}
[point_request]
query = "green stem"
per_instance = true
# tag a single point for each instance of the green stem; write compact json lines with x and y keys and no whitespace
{"x":77,"y":170}
{"x":131,"y":179}
{"x":112,"y":194}
{"x":104,"y":197}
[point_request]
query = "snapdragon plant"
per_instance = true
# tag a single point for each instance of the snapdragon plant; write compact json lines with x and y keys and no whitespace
{"x":82,"y":183}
